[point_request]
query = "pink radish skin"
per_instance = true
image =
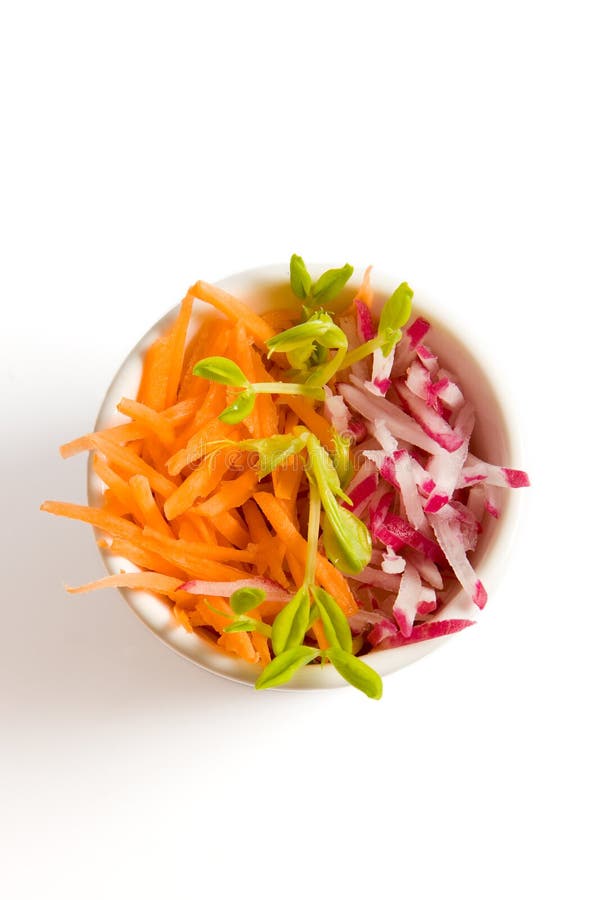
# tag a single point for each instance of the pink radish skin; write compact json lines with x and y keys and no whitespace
{"x":448,"y":534}
{"x":430,"y":421}
{"x":427,"y":631}
{"x":396,"y":532}
{"x":227,"y":588}
{"x":398,"y":422}
{"x":407,"y":600}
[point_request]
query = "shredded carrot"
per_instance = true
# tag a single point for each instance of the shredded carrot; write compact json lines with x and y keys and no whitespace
{"x":118,"y":486}
{"x":261,"y":647}
{"x":234,"y":309}
{"x":146,"y":503}
{"x":142,"y":558}
{"x":313,"y":420}
{"x":231,"y":494}
{"x":199,"y":483}
{"x":148,"y":417}
{"x":327,"y":575}
{"x":177,"y":348}
{"x":133,"y":464}
{"x":214,"y":333}
{"x":181,"y":500}
{"x":146,"y":581}
{"x":226,"y":524}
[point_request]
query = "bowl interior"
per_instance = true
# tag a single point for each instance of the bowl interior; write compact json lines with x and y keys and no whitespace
{"x":268,"y":288}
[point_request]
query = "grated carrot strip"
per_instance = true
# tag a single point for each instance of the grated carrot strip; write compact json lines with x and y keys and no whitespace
{"x":231,"y":495}
{"x":313,"y":420}
{"x":146,"y":503}
{"x":149,"y":418}
{"x":133,"y":464}
{"x":327,"y":575}
{"x":234,"y":309}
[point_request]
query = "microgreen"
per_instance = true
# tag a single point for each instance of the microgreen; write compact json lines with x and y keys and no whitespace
{"x":395,"y":313}
{"x":245,"y":599}
{"x":284,"y":666}
{"x":224,"y":371}
{"x":306,"y":346}
{"x":356,"y":672}
{"x":324,"y":289}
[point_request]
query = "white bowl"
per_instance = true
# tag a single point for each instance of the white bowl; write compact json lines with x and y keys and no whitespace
{"x":268,"y":287}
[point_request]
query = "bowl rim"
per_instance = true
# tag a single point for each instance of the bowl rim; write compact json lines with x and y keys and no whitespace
{"x":199,"y":651}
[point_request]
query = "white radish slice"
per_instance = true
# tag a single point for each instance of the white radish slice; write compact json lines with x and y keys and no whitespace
{"x":407,"y":600}
{"x":445,"y":468}
{"x":399,"y":423}
{"x":449,"y":537}
{"x":426,"y":568}
{"x":476,"y":470}
{"x":392,"y":563}
{"x":336,"y":412}
{"x":432,"y":423}
{"x":377,"y":578}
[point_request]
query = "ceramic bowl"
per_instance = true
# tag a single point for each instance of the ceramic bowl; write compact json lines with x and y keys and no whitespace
{"x":268,"y":287}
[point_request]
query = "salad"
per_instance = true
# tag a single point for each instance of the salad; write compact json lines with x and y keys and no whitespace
{"x":298,"y":485}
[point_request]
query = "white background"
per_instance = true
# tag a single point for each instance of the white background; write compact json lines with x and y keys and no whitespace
{"x":147,"y":145}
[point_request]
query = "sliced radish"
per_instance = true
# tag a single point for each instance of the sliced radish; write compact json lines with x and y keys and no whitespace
{"x":336,"y":411}
{"x":445,"y":468}
{"x":392,"y":563}
{"x":432,"y":423}
{"x":399,"y":423}
{"x":448,"y":533}
{"x":407,"y":600}
{"x":227,"y":588}
{"x":381,"y":631}
{"x":425,"y":632}
{"x":396,"y":532}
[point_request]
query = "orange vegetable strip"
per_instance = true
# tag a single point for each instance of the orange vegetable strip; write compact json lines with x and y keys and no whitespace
{"x":142,"y":558}
{"x":209,"y":616}
{"x":199,"y":444}
{"x":129,"y":431}
{"x":200,"y":483}
{"x":268,"y":412}
{"x":327,"y":575}
{"x":240,"y":644}
{"x":118,"y":486}
{"x":281,"y":319}
{"x":313,"y":420}
{"x":203,"y":527}
{"x":148,"y":417}
{"x":133,"y":464}
{"x":155,"y":374}
{"x":145,"y":581}
{"x":296,"y":568}
{"x":233,"y":309}
{"x":268,"y":609}
{"x":195,"y":559}
{"x":146,"y":503}
{"x":112,"y":505}
{"x":213,"y":333}
{"x":286,"y":478}
{"x":232,"y":530}
{"x":261,"y":646}
{"x":177,"y":348}
{"x":255,"y":522}
{"x":231,"y":494}
{"x":121,"y":434}
{"x":182,"y":618}
{"x":319,"y":633}
{"x":195,"y":550}
{"x":99,"y":518}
